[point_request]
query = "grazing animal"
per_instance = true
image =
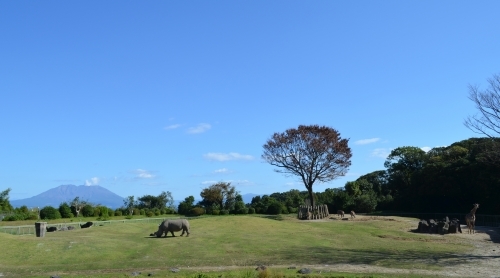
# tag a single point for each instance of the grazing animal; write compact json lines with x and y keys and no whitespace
{"x":353,"y":214}
{"x":340,"y":213}
{"x":172,"y":225}
{"x":51,"y":229}
{"x":86,"y":225}
{"x":470,"y":219}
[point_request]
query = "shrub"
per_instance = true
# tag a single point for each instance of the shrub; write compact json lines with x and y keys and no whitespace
{"x":49,"y":212}
{"x":197,"y":211}
{"x":13,"y":217}
{"x":103,"y":211}
{"x":118,"y":212}
{"x":157,"y":212}
{"x":169,"y":211}
{"x":292,"y":210}
{"x":149,"y":213}
{"x":215,"y":212}
{"x":251,"y":211}
{"x":87,"y":211}
{"x":274,"y":208}
{"x":65,"y":210}
{"x":284,"y":210}
{"x":22,"y":209}
{"x":33,"y":216}
{"x":97,"y":211}
{"x":110,"y":212}
{"x":224,"y":212}
{"x":129,"y":217}
{"x":139,"y":212}
{"x":19,"y":216}
{"x":366,"y":202}
{"x":242,"y":211}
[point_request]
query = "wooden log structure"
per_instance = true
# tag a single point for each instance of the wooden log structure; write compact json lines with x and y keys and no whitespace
{"x":312,"y":213}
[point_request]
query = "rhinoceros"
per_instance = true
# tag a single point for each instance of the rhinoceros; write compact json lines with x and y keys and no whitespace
{"x":172,"y":225}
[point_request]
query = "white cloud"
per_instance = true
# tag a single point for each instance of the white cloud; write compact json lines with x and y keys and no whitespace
{"x":200,"y":128}
{"x":143,"y":174}
{"x":233,"y":182}
{"x":172,"y":126}
{"x":209,"y":182}
{"x":382,"y":153}
{"x":93,"y":181}
{"x":425,"y":149}
{"x":227,"y":156}
{"x":221,"y":171}
{"x":367,"y":141}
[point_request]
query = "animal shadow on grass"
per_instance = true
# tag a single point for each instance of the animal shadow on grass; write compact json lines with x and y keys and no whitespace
{"x":162,"y":237}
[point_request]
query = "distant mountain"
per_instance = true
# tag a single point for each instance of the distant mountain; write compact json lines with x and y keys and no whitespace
{"x":66,"y":193}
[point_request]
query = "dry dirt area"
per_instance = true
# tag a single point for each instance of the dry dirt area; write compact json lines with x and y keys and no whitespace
{"x":482,"y":261}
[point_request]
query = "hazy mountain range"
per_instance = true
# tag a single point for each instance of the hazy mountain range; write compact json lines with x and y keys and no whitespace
{"x":93,"y":194}
{"x":66,"y":193}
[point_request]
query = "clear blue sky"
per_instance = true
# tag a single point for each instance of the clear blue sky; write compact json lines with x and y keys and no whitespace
{"x":148,"y":96}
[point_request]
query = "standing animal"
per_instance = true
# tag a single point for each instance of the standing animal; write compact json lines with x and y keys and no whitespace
{"x":353,"y":214}
{"x":86,"y":225}
{"x":172,"y":225}
{"x":340,"y":213}
{"x":470,"y":219}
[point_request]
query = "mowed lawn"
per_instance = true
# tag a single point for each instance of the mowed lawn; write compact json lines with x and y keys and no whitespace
{"x":226,"y":241}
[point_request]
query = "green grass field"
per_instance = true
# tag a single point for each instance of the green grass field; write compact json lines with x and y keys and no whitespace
{"x":217,"y":243}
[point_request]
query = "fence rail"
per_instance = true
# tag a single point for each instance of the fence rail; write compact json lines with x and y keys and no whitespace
{"x":481,"y":219}
{"x":30,"y":229}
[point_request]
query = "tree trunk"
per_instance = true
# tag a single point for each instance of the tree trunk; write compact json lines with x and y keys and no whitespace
{"x":311,"y":196}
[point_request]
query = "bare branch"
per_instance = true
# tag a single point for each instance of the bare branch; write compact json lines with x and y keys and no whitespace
{"x":488,"y":104}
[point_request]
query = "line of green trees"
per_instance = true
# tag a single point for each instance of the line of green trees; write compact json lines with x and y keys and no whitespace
{"x":146,"y":205}
{"x":444,"y":179}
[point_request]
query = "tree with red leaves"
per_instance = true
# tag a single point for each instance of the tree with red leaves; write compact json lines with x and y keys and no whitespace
{"x":314,"y":153}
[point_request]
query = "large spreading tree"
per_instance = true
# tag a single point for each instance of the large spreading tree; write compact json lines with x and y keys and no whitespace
{"x":312,"y":152}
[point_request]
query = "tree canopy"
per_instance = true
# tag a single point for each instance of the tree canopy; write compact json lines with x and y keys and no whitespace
{"x":221,"y":195}
{"x":162,"y":201}
{"x":313,"y":153}
{"x":4,"y":200}
{"x":129,"y":204}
